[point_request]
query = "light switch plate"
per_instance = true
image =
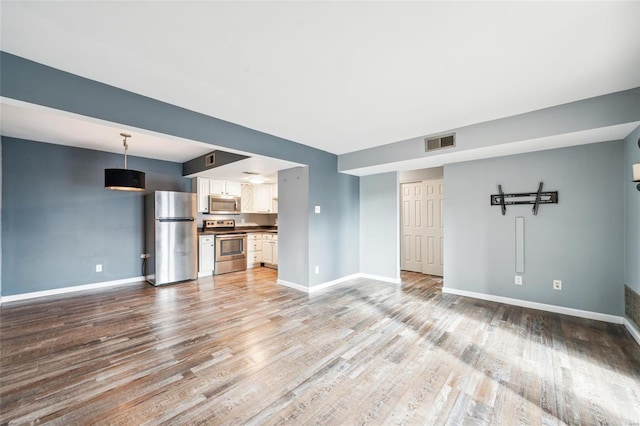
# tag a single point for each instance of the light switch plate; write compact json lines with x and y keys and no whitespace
{"x":317,"y":209}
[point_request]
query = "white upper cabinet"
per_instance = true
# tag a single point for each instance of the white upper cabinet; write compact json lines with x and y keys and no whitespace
{"x":206,"y":186}
{"x":262,"y":198}
{"x":265,"y":196}
{"x":225,"y":187}
{"x":274,"y":198}
{"x":201,"y":187}
{"x":217,"y":187}
{"x":233,"y":188}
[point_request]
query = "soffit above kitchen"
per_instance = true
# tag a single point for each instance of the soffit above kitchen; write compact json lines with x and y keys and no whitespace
{"x":339,"y":76}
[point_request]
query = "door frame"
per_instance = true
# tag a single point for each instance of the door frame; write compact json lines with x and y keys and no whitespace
{"x":401,"y":215}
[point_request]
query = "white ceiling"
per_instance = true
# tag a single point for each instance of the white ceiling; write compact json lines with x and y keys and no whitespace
{"x":339,"y":76}
{"x":33,"y":122}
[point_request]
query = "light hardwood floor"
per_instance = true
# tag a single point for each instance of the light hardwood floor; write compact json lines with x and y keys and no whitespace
{"x":240,"y":349}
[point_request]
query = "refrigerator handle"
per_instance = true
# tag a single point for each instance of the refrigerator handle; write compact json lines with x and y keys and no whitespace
{"x":176,"y":219}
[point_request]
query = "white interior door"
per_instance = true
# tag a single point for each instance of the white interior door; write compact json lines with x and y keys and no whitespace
{"x":413,"y":232}
{"x":434,"y":231}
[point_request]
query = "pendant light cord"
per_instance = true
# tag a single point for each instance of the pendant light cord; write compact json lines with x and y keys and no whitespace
{"x":126,"y":146}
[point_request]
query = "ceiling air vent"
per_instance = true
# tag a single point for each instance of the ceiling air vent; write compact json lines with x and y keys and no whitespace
{"x":210,"y":159}
{"x":444,"y":141}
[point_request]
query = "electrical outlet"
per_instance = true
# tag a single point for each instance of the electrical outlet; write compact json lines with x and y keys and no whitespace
{"x":317,"y":269}
{"x":98,"y":267}
{"x":557,"y":285}
{"x":518,"y":280}
{"x":144,"y":256}
{"x":317,"y":209}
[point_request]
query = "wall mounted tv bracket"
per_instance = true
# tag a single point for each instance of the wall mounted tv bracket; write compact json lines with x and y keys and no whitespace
{"x":536,"y":198}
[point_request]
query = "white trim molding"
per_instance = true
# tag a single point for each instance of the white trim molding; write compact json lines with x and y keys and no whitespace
{"x":380,"y":278}
{"x":631,"y":328}
{"x":535,"y":305}
{"x":293,"y":286}
{"x":105,"y":284}
{"x":337,"y":281}
{"x":332,"y":283}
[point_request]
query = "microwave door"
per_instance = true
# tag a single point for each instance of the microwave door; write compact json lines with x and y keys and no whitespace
{"x":230,"y":205}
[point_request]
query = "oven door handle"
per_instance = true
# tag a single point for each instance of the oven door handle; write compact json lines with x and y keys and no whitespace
{"x":228,"y":236}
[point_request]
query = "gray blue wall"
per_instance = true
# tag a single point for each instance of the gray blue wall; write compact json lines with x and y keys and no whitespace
{"x":334,"y":232}
{"x":631,"y":213}
{"x":379,"y":225}
{"x":579,"y":240}
{"x":334,"y":252}
{"x":0,"y":219}
{"x":293,"y":225}
{"x":58,"y":221}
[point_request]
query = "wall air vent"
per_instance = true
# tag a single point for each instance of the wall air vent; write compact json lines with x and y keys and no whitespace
{"x":210,"y":159}
{"x":444,"y":141}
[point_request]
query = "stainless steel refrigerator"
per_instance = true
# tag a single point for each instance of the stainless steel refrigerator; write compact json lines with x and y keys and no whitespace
{"x":170,"y":237}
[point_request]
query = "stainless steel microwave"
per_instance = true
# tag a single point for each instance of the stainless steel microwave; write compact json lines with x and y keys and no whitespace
{"x":224,"y":204}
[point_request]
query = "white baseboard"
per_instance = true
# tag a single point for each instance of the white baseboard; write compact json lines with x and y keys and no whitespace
{"x":380,"y":278}
{"x":630,"y":326}
{"x":336,"y":282}
{"x":535,"y":305}
{"x":204,"y":274}
{"x":293,"y":285}
{"x":105,"y":284}
{"x":332,"y":283}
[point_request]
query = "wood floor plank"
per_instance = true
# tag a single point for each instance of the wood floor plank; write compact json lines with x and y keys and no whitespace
{"x":240,"y":349}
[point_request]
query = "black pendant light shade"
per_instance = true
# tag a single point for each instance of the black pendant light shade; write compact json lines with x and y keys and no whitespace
{"x":124,"y":179}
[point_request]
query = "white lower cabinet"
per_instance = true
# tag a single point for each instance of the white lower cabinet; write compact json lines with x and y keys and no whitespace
{"x":275,"y":249}
{"x":206,"y":255}
{"x":254,"y":250}
{"x":270,"y":249}
{"x":262,"y":249}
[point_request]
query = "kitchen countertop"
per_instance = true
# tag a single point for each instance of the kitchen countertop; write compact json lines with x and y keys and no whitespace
{"x":240,"y":230}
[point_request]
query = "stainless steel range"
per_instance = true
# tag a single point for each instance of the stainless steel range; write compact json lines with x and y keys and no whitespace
{"x":231,"y":246}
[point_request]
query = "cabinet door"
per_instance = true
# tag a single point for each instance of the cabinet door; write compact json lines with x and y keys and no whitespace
{"x":262,"y":198}
{"x":275,"y":252}
{"x":233,"y":188}
{"x":203,"y":195}
{"x":253,"y":259}
{"x":274,"y":198}
{"x":207,"y":255}
{"x":267,"y":251}
{"x":217,"y":187}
